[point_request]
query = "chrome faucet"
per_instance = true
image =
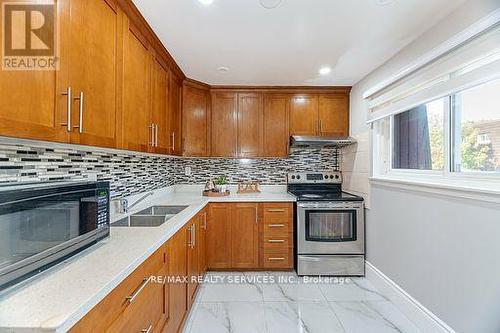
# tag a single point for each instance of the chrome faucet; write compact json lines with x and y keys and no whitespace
{"x":124,"y":206}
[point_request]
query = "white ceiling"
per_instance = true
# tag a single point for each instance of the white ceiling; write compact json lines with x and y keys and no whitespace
{"x":287,"y":45}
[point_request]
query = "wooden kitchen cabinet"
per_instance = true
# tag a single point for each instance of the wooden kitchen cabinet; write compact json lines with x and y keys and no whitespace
{"x":304,"y":115}
{"x":159,"y":108}
{"x":224,"y":124}
{"x":193,"y":259}
{"x":135,"y":304}
{"x":250,"y":125}
{"x":334,"y":115}
{"x":275,"y":131}
{"x":202,"y":240}
{"x":244,"y":235}
{"x":277,"y":235}
{"x":175,"y":115}
{"x":137,"y":129}
{"x":195,"y":121}
{"x":178,"y":306}
{"x":95,"y":29}
{"x":218,"y":246}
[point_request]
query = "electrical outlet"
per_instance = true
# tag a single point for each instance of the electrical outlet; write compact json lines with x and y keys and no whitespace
{"x":188,"y":171}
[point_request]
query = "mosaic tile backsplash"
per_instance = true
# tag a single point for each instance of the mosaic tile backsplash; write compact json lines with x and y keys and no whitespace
{"x":130,"y":172}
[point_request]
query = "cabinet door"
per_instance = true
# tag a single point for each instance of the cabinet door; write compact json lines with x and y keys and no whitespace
{"x":175,"y":115}
{"x":250,"y":109}
{"x":177,"y":290}
{"x":202,"y":241}
{"x":137,"y":81}
{"x":244,"y":236}
{"x":334,"y":115}
{"x":32,"y":103}
{"x":193,"y":263}
{"x":159,"y":111}
{"x":224,"y":124}
{"x":195,"y":121}
{"x":276,"y":135}
{"x":219,"y":236}
{"x":93,"y":71}
{"x":304,"y":115}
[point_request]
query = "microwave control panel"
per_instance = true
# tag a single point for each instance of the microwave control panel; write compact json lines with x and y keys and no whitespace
{"x":102,"y":208}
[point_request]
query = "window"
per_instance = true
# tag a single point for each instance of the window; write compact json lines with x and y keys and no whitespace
{"x":458,"y":134}
{"x":418,"y":141}
{"x":476,"y":129}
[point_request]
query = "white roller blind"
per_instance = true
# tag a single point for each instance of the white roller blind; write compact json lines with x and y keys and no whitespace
{"x":473,"y":63}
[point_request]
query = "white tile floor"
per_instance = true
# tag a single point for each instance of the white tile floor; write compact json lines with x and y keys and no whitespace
{"x":265,"y":304}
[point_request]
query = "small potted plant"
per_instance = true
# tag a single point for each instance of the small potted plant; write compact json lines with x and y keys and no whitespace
{"x":221,"y":184}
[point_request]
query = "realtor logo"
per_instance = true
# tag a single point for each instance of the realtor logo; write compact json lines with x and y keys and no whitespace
{"x":29,"y":36}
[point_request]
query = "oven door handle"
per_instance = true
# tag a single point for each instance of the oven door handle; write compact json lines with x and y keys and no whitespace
{"x":309,"y":258}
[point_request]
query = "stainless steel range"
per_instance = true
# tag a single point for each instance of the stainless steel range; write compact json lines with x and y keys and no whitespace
{"x":330,"y":226}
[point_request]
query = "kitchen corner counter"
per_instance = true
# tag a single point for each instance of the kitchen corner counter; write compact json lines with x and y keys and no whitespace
{"x":56,"y":299}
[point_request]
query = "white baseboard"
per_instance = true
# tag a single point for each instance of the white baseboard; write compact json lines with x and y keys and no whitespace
{"x":423,"y":318}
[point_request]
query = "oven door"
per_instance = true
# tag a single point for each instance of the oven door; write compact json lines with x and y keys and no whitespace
{"x":331,"y":228}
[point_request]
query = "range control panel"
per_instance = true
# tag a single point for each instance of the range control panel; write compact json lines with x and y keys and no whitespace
{"x":315,"y":177}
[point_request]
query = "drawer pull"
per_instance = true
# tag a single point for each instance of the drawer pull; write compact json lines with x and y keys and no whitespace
{"x":276,"y":210}
{"x":147,"y":330}
{"x":276,"y":225}
{"x":276,"y":259}
{"x":136,"y":293}
{"x":276,"y":241}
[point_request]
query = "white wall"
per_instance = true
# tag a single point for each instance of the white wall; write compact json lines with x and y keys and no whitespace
{"x":445,"y":252}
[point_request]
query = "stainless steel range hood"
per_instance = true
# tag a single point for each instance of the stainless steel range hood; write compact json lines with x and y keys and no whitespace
{"x":297,"y":141}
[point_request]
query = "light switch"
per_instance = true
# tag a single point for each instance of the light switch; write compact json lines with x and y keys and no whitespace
{"x":187,"y":171}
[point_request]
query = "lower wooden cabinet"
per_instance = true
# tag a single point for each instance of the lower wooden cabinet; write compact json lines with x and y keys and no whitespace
{"x":250,"y":236}
{"x":138,"y":303}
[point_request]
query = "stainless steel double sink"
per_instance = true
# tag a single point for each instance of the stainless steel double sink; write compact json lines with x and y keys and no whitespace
{"x":153,"y":216}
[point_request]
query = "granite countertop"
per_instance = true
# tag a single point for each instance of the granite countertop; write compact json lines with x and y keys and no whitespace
{"x":56,"y":299}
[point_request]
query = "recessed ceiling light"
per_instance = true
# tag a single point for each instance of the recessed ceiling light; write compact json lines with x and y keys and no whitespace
{"x":206,"y":2}
{"x":325,"y":70}
{"x":270,"y":4}
{"x":384,"y":2}
{"x":223,"y":69}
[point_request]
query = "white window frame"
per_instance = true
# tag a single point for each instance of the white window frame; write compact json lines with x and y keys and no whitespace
{"x":481,"y":185}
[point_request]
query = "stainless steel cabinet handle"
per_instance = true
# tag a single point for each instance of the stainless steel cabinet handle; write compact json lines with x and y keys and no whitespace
{"x":173,"y":141}
{"x":256,"y":214}
{"x":147,"y":330}
{"x":80,"y":117}
{"x":69,"y":102}
{"x":204,"y":225}
{"x":276,"y":225}
{"x":320,"y":127}
{"x":152,"y":134}
{"x":136,"y":293}
{"x":276,"y":241}
{"x":276,"y":259}
{"x":276,"y":210}
{"x":156,"y":135}
{"x":194,"y":235}
{"x":190,"y":240}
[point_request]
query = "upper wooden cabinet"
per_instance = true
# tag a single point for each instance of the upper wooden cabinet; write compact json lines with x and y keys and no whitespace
{"x":250,"y":118}
{"x":224,"y":124}
{"x":195,"y":121}
{"x":175,"y":115}
{"x":334,"y":115}
{"x":96,"y":28}
{"x":275,"y":132}
{"x":160,"y":126}
{"x":304,"y":115}
{"x":137,"y":130}
{"x":322,"y":114}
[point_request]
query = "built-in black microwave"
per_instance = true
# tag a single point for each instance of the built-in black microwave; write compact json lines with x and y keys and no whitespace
{"x":44,"y":223}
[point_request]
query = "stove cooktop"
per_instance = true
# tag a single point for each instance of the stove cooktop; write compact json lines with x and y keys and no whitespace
{"x":325,"y":196}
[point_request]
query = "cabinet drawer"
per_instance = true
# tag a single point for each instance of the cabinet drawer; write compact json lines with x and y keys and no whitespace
{"x":276,"y":229}
{"x":281,"y":242}
{"x":280,"y":259}
{"x":280,"y":211}
{"x":113,"y":307}
{"x":144,"y":311}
